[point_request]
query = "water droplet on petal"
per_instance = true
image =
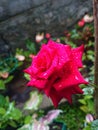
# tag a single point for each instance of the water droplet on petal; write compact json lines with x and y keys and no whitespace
{"x":44,"y":74}
{"x":76,"y":78}
{"x":60,"y":86}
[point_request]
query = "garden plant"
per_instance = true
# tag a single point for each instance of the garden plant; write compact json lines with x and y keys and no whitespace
{"x":61,"y":67}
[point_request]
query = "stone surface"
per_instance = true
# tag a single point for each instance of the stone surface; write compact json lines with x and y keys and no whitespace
{"x":22,"y":19}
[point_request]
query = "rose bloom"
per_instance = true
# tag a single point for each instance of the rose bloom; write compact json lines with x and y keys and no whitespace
{"x":67,"y":34}
{"x":32,"y":56}
{"x":81,"y":23}
{"x":88,"y":18}
{"x":20,"y":57}
{"x":4,"y":75}
{"x":48,"y":35}
{"x":55,"y":71}
{"x":39,"y":37}
{"x":58,"y":40}
{"x":89,"y":118}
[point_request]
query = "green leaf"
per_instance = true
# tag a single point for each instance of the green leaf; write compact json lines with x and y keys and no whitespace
{"x":12,"y":123}
{"x":72,"y":44}
{"x":16,"y":114}
{"x":2,"y":101}
{"x":26,"y":127}
{"x":2,"y":111}
{"x":90,"y":106}
{"x":74,"y":34}
{"x":87,"y":128}
{"x":27,"y":119}
{"x":34,"y":101}
{"x":62,"y":38}
{"x":82,"y":101}
{"x":2,"y":85}
{"x":90,"y":43}
{"x":88,"y":91}
{"x":88,"y":97}
{"x":8,"y":79}
{"x":27,"y":76}
{"x":31,"y":46}
{"x":84,"y":108}
{"x":90,"y":52}
{"x":19,"y":51}
{"x":12,"y":113}
{"x":94,"y":125}
{"x":20,"y":63}
{"x":90,"y":57}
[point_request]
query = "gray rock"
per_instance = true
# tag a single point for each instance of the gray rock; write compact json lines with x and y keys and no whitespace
{"x":22,"y":19}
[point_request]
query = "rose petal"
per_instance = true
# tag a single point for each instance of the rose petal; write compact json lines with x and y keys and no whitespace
{"x":38,"y":83}
{"x":63,"y":52}
{"x":89,"y":118}
{"x":70,"y":78}
{"x":55,"y":97}
{"x":77,"y":54}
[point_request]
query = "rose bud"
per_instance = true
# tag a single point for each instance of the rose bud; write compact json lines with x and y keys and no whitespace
{"x":4,"y":75}
{"x":20,"y":57}
{"x":39,"y":37}
{"x":89,"y":118}
{"x":47,"y":35}
{"x":58,"y":40}
{"x":81,"y":23}
{"x":88,"y":18}
{"x":32,"y":56}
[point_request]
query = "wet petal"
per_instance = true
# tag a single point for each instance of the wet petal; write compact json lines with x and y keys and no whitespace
{"x":38,"y":83}
{"x":55,"y":97}
{"x":70,"y":78}
{"x":77,"y":54}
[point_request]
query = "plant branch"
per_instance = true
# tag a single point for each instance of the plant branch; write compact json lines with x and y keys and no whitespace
{"x":95,"y":12}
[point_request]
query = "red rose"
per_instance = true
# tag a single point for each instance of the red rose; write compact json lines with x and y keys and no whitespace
{"x":32,"y":56}
{"x":47,"y":35}
{"x":81,"y":23}
{"x":54,"y":70}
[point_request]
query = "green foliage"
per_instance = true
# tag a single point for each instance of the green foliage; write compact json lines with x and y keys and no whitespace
{"x":34,"y":101}
{"x":2,"y":85}
{"x":87,"y":100}
{"x":27,"y":76}
{"x":3,"y":82}
{"x":87,"y":104}
{"x":92,"y":126}
{"x":9,"y":79}
{"x":75,"y":34}
{"x":88,"y":127}
{"x":9,"y":64}
{"x":9,"y":114}
{"x":28,"y":119}
{"x":31,"y":47}
{"x":72,"y":116}
{"x":14,"y":117}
